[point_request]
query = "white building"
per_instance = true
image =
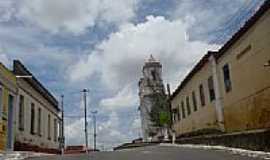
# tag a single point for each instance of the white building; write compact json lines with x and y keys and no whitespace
{"x":149,"y":85}
{"x":36,"y":117}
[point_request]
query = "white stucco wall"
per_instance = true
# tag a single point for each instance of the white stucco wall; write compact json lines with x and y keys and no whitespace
{"x":25,"y":136}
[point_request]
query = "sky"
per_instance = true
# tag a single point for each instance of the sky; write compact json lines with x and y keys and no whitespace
{"x":102,"y":45}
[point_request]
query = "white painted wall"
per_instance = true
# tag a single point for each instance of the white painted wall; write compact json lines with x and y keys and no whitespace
{"x":25,"y":136}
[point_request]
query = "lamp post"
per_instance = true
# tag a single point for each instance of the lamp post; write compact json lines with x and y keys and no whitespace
{"x":62,"y":137}
{"x":85,"y":91}
{"x":24,"y":76}
{"x":267,"y":64}
{"x":95,"y":129}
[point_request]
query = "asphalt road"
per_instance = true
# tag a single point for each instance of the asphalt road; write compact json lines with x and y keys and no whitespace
{"x":156,"y":153}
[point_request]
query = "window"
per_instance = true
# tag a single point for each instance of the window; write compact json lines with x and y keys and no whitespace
{"x":55,"y":130}
{"x":202,"y":97}
{"x":49,"y":127}
{"x":212,"y":95}
{"x":39,"y":121}
{"x":154,"y":75}
{"x":32,"y":127}
{"x":188,"y":106}
{"x":178,"y":113}
{"x":1,"y":102}
{"x":174,"y":115}
{"x":194,"y":101}
{"x":21,"y":113}
{"x":183,"y":109}
{"x":10,"y":107}
{"x":227,"y":78}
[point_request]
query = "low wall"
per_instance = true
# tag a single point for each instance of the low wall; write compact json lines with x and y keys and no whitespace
{"x":258,"y":140}
{"x":249,"y":113}
{"x":18,"y":146}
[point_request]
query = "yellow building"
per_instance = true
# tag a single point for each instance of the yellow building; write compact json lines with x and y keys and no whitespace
{"x":245,"y":89}
{"x":7,"y":106}
{"x":229,"y":90}
{"x":192,"y":109}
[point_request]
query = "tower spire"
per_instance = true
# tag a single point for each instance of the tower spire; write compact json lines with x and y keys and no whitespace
{"x":151,"y":59}
{"x":150,"y":85}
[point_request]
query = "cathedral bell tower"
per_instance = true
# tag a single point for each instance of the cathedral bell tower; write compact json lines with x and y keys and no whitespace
{"x":149,"y":85}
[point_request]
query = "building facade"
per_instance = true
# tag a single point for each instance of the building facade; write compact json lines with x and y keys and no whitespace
{"x":37,"y":115}
{"x":229,"y":90}
{"x":8,"y":92}
{"x":193,"y":108}
{"x":149,"y":86}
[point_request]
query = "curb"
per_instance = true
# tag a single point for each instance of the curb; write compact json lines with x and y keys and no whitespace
{"x":243,"y":152}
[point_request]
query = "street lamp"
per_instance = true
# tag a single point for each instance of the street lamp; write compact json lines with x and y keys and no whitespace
{"x":267,"y":64}
{"x":24,"y":76}
{"x":85,"y":91}
{"x":95,"y":129}
{"x":62,"y":137}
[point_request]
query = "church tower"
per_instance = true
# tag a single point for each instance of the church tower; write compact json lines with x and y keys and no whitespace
{"x":149,"y":86}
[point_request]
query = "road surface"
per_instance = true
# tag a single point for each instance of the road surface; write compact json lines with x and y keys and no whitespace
{"x":156,"y":153}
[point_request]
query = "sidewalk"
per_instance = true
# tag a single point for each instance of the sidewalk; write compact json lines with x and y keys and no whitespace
{"x":243,"y":152}
{"x":14,"y":155}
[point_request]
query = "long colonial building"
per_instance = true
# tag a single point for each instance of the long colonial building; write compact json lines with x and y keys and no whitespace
{"x":29,"y":118}
{"x":228,"y":90}
{"x":37,"y":119}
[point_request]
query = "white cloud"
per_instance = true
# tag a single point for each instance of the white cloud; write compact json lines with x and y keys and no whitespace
{"x":125,"y":98}
{"x":107,"y":129}
{"x":75,"y":16}
{"x":206,"y":22}
{"x":4,"y":59}
{"x":57,"y":15}
{"x":135,"y":128}
{"x":110,"y":133}
{"x":136,"y":123}
{"x":6,"y":10}
{"x":74,"y":132}
{"x":122,"y":55}
{"x":117,"y":11}
{"x":85,"y":68}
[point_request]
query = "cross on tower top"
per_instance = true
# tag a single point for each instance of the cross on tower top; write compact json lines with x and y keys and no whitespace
{"x":152,"y":59}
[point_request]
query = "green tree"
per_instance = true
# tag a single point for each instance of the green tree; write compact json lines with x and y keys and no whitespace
{"x":160,"y":113}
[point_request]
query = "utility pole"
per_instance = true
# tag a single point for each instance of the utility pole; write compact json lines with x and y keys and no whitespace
{"x":85,"y":91}
{"x":95,"y":129}
{"x":62,"y":140}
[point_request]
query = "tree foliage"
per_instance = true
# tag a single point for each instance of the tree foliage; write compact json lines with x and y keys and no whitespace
{"x":160,"y":112}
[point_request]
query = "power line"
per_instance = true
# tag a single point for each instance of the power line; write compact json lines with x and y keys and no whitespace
{"x":102,"y":116}
{"x":236,"y":15}
{"x":71,"y":91}
{"x":236,"y":18}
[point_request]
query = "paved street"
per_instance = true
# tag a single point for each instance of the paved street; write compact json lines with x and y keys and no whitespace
{"x":157,"y":153}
